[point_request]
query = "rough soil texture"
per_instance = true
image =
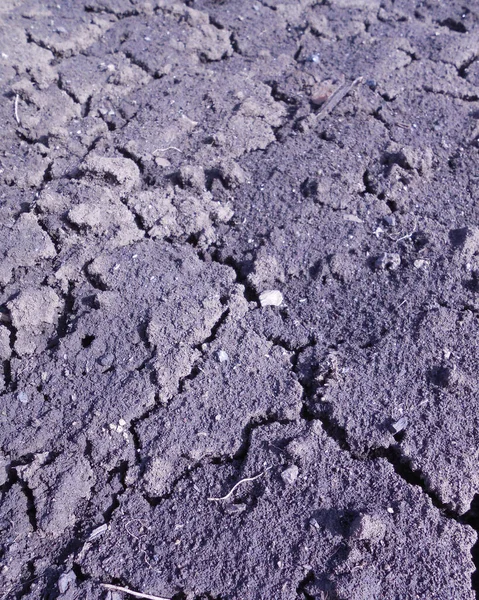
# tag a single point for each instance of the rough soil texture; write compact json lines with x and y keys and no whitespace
{"x":162,"y":165}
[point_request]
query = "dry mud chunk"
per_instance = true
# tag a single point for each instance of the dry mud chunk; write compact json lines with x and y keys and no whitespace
{"x":102,"y":82}
{"x":120,"y":8}
{"x":248,"y":32}
{"x":41,"y":112}
{"x":67,"y":34}
{"x":58,"y":488}
{"x":19,"y":57}
{"x":196,"y":215}
{"x":97,"y":214}
{"x":235,"y":116}
{"x":106,"y":217}
{"x":28,"y":171}
{"x":15,"y":535}
{"x":442,"y":78}
{"x":173,"y":293}
{"x":266,"y":272}
{"x":465,"y":242}
{"x":23,"y":245}
{"x":156,"y":210}
{"x":193,"y":176}
{"x":177,"y":35}
{"x":122,"y":172}
{"x":362,"y":531}
{"x":34,"y":313}
{"x":208,"y":419}
{"x":173,"y":212}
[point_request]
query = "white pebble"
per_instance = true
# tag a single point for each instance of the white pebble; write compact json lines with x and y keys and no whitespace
{"x":271,"y":298}
{"x":290,"y":474}
{"x":222,"y":356}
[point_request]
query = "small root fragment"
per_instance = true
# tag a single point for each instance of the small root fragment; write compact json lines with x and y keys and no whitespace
{"x":238,"y":484}
{"x":165,"y":149}
{"x":117,"y":588}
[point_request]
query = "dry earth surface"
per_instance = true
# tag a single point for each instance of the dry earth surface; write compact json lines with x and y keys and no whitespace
{"x":162,"y":165}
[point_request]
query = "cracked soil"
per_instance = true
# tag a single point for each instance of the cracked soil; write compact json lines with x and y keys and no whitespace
{"x":162,"y":164}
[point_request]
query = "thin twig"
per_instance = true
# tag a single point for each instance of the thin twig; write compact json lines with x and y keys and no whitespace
{"x":117,"y":588}
{"x":17,"y":118}
{"x":408,"y":235}
{"x":168,"y":148}
{"x":336,"y":98}
{"x":239,"y":483}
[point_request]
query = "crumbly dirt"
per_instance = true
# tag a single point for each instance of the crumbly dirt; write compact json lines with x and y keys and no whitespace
{"x":168,"y":427}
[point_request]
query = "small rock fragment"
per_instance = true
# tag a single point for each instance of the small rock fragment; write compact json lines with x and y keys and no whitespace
{"x":97,"y":532}
{"x":322,"y":91}
{"x":389,"y":220}
{"x":222,"y":356}
{"x":193,"y":176}
{"x":419,"y":263}
{"x":235,"y":509}
{"x":271,"y":298}
{"x":290,"y":474}
{"x":65,"y":580}
{"x":389,"y":261}
{"x":400,"y":425}
{"x":352,"y":219}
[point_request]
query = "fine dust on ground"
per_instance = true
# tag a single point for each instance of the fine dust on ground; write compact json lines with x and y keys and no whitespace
{"x":239,"y":299}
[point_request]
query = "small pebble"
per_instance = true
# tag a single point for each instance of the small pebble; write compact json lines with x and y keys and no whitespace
{"x":400,"y":425}
{"x":389,"y":220}
{"x":290,"y":474}
{"x":65,"y":580}
{"x":271,"y":298}
{"x":235,"y":509}
{"x":106,"y":360}
{"x":222,"y":356}
{"x":419,"y":263}
{"x":22,"y":397}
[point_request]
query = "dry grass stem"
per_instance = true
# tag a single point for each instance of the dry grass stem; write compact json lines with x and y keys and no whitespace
{"x":117,"y":588}
{"x":238,"y":484}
